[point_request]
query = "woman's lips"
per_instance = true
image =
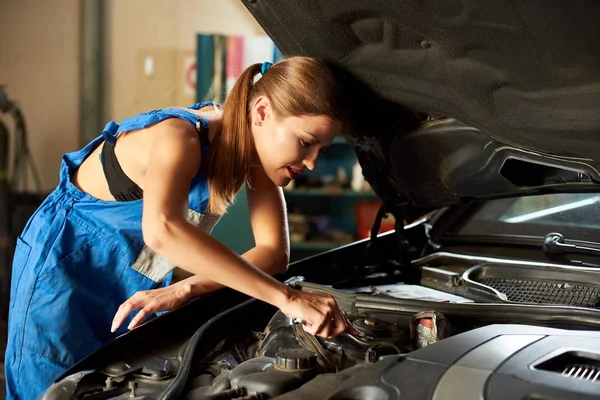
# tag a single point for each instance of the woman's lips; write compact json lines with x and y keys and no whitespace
{"x":294,"y":173}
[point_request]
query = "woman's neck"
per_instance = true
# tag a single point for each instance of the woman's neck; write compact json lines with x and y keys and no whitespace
{"x":215,"y":123}
{"x":214,"y":127}
{"x":214,"y":116}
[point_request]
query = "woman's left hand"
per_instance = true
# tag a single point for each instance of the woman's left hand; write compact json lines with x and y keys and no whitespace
{"x":152,"y":301}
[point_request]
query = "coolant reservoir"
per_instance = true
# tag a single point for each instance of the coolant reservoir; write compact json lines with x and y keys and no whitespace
{"x":273,"y":377}
{"x":295,"y":360}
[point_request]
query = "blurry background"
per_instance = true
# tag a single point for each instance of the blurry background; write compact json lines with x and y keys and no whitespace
{"x":67,"y":67}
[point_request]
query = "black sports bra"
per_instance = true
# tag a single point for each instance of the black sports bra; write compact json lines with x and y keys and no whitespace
{"x":119,"y":184}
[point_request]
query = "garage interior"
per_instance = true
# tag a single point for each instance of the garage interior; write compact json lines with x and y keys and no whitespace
{"x":68,"y":67}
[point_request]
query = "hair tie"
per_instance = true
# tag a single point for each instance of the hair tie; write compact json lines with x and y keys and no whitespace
{"x":265,"y":67}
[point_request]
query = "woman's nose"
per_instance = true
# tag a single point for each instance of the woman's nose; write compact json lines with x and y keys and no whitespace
{"x":311,"y":162}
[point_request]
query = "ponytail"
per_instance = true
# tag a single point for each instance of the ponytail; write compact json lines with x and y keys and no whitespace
{"x":296,"y":86}
{"x":227,"y":166}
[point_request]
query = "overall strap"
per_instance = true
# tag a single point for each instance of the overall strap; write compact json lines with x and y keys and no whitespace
{"x":202,"y":104}
{"x":149,"y":118}
{"x":110,"y":132}
{"x":203,"y":128}
{"x":144,"y":120}
{"x":120,"y":185}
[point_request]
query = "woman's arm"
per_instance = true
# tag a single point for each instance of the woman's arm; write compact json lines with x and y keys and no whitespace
{"x":269,"y":228}
{"x":174,"y":159}
{"x":268,"y":218}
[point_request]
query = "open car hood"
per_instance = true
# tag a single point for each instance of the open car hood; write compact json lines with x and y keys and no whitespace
{"x":520,"y":80}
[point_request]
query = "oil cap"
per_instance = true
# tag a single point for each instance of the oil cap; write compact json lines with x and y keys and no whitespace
{"x":295,"y":359}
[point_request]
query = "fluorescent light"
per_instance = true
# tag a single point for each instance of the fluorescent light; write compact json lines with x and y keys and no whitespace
{"x":552,"y":210}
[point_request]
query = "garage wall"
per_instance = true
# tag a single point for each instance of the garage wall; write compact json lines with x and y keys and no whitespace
{"x":39,"y":64}
{"x":147,"y":41}
{"x":39,"y":61}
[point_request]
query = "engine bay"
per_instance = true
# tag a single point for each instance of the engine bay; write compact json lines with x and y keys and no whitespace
{"x":533,"y":361}
{"x":283,"y":361}
{"x":410,"y":322}
{"x":283,"y":356}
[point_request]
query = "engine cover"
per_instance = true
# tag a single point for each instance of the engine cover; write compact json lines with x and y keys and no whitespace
{"x":494,"y":362}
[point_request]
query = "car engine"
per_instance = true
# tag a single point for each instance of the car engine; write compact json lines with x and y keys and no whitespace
{"x":455,"y":333}
{"x":438,"y":345}
{"x":378,"y":360}
{"x":284,"y":356}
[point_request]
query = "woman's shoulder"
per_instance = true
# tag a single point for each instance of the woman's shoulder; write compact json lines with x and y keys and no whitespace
{"x":176,"y":127}
{"x":199,"y":108}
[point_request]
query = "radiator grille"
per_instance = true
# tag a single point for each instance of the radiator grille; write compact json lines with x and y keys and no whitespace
{"x":538,"y":292}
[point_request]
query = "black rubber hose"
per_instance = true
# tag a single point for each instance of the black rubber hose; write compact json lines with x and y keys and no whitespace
{"x":178,"y":384}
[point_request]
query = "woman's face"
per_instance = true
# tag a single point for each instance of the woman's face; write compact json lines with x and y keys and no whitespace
{"x":286,"y":146}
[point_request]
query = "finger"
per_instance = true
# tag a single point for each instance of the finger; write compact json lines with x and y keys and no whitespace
{"x":326,"y":317}
{"x":324,"y":329}
{"x":334,"y":320}
{"x":341,"y":326}
{"x":124,"y":310}
{"x":323,"y":324}
{"x":313,"y":331}
{"x":138,"y":318}
{"x":311,"y":325}
{"x":341,"y":322}
{"x":336,"y":325}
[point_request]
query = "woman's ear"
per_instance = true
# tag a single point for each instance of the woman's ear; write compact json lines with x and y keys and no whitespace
{"x":261,"y":110}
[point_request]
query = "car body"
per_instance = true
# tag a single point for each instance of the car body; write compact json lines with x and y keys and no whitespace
{"x":485,"y":119}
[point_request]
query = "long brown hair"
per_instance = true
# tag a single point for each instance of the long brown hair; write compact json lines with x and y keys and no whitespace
{"x":295,"y":86}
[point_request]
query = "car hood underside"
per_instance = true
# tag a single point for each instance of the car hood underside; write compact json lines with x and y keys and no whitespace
{"x":520,"y":80}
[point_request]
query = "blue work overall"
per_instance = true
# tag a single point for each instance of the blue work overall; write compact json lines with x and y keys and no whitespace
{"x":77,"y":260}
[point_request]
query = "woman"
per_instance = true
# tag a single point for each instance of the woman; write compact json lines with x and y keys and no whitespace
{"x":143,"y":198}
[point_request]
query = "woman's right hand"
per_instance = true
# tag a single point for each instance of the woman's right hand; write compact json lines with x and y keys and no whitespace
{"x":152,"y":301}
{"x":319,"y":312}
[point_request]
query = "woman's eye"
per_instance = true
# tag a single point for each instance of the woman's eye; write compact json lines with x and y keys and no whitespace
{"x":304,"y":143}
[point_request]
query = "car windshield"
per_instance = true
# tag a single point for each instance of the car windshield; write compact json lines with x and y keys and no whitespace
{"x":576,"y":216}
